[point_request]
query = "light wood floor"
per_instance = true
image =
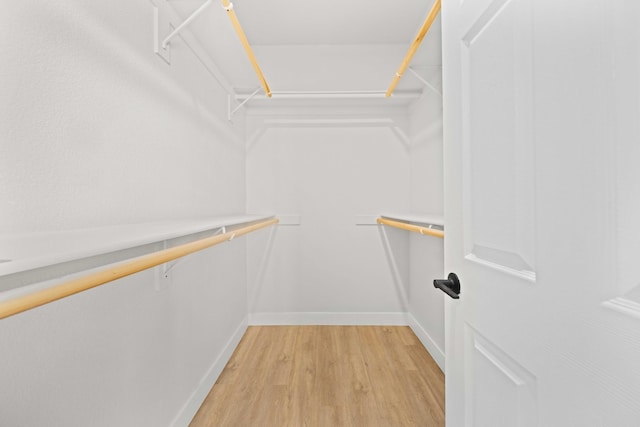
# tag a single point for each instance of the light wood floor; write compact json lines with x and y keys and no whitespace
{"x":326,"y":376}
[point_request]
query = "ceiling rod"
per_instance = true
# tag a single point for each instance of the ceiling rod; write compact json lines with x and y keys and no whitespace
{"x":228,"y":6}
{"x":414,"y":46}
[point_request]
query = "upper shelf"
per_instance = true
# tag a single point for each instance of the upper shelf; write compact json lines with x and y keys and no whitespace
{"x":25,"y":252}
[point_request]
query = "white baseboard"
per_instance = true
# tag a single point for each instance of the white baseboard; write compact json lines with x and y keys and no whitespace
{"x":322,"y":318}
{"x":434,"y":349}
{"x":194,"y":402}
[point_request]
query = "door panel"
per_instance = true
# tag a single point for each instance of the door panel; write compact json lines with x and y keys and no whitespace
{"x":542,"y":200}
{"x":497,"y":384}
{"x":497,"y":138}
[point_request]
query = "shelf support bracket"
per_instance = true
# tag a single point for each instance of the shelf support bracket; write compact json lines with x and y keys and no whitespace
{"x":168,"y":266}
{"x":186,"y":22}
{"x":424,"y":81}
{"x":230,"y":112}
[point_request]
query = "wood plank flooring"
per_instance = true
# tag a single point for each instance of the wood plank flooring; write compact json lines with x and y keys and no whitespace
{"x":315,"y":376}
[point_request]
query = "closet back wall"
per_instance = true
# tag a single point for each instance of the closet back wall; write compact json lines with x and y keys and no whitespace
{"x":327,"y":267}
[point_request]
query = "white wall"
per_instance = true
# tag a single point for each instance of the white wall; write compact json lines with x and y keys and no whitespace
{"x":84,"y":103}
{"x":95,"y":130}
{"x":327,"y":174}
{"x":427,"y":253}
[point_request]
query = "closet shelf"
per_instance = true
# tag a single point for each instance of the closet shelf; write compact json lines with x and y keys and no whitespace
{"x":19,"y":300}
{"x":24,"y":252}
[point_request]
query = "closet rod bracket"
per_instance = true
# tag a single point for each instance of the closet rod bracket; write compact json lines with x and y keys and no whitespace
{"x":165,"y":43}
{"x":424,"y":81}
{"x":161,"y":23}
{"x":231,"y":112}
{"x":168,"y":266}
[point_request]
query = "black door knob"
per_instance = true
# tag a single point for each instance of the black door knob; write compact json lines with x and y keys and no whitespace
{"x":450,"y":286}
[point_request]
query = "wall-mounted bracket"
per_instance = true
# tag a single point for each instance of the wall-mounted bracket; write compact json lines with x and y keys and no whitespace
{"x":168,"y":266}
{"x":186,"y":22}
{"x":230,"y":112}
{"x":425,"y":81}
{"x":160,"y":24}
{"x":162,"y":48}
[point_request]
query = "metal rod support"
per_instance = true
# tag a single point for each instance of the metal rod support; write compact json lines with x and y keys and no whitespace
{"x":186,"y":22}
{"x":169,"y":266}
{"x":235,"y":110}
{"x":425,"y":81}
{"x":245,"y":101}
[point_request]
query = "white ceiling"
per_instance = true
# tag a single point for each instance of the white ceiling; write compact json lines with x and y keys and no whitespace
{"x":312,"y":22}
{"x":319,"y":45}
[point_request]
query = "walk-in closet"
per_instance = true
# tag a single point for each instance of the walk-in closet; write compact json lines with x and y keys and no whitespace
{"x":267,"y":213}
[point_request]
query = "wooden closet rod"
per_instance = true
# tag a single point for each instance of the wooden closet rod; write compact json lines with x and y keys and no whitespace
{"x":74,"y":286}
{"x":410,"y":227}
{"x":236,"y":24}
{"x":414,"y":46}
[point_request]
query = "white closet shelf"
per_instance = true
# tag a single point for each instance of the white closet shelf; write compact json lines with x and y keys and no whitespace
{"x":418,"y":219}
{"x":25,"y":252}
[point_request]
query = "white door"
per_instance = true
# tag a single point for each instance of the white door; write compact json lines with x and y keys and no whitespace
{"x":542,"y":187}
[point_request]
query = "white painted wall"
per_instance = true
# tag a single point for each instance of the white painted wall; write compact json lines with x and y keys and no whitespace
{"x":95,"y":130}
{"x":427,"y":253}
{"x":329,"y":173}
{"x":84,"y":103}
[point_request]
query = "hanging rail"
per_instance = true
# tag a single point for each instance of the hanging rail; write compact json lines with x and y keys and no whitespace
{"x":414,"y":46}
{"x":74,"y":286}
{"x":228,"y":6}
{"x":410,"y":227}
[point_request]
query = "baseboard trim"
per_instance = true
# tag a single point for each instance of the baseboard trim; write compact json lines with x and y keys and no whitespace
{"x":194,"y":402}
{"x":434,"y":349}
{"x":326,"y":318}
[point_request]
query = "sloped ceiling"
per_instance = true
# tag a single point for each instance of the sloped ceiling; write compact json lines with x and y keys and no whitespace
{"x":319,"y":45}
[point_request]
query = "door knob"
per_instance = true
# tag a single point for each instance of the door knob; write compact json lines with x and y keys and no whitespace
{"x":450,"y":286}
